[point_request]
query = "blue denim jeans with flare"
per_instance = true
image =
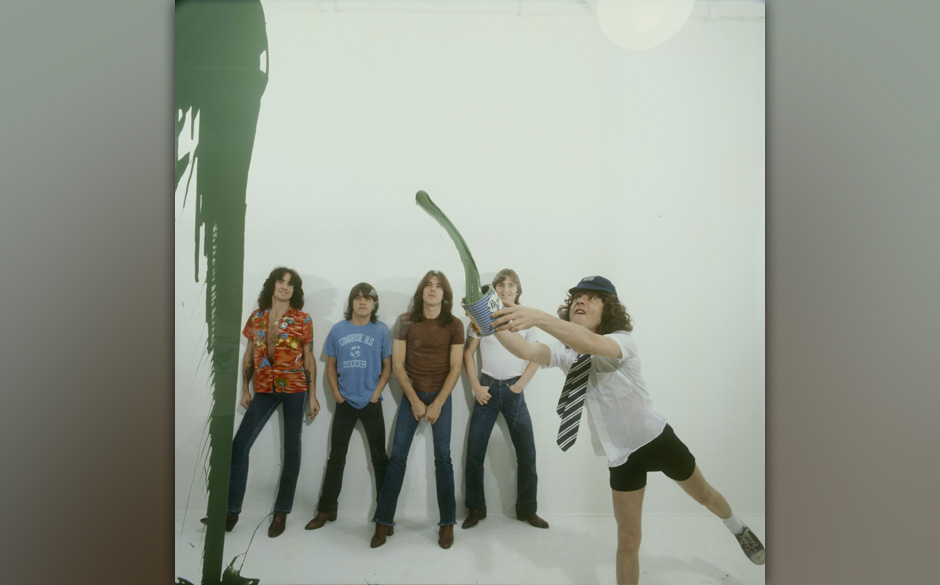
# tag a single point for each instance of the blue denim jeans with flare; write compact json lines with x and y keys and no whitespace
{"x":514,"y":409}
{"x":405,"y":428}
{"x":260,"y":409}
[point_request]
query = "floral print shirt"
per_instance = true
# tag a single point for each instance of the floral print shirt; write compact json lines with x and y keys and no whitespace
{"x":286,"y":374}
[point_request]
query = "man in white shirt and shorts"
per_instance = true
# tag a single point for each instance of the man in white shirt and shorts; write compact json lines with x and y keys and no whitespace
{"x":593,"y":326}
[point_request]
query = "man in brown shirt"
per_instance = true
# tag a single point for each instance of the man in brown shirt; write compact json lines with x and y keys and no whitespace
{"x":427,"y":353}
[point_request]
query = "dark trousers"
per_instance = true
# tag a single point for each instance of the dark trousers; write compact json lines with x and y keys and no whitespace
{"x":405,"y":428}
{"x":514,"y":410}
{"x":344,"y":421}
{"x":260,"y":409}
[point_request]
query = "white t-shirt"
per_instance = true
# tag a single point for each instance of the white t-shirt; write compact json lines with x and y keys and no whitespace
{"x":498,"y":362}
{"x":621,"y":415}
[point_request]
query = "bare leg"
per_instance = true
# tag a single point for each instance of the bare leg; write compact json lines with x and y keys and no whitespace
{"x":703,"y":493}
{"x":628,"y":508}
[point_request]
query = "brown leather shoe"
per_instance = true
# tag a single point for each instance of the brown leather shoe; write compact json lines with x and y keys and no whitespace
{"x":381,"y":531}
{"x":446,"y":539}
{"x":277,"y":525}
{"x":230,"y":521}
{"x":474,"y":517}
{"x":319,"y":520}
{"x":533,"y":519}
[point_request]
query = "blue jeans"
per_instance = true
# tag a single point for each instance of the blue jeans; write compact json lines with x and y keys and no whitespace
{"x":344,"y":421}
{"x":405,"y":427}
{"x":516,"y":413}
{"x":260,"y":409}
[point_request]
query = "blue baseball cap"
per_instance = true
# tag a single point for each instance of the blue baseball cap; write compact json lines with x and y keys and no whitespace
{"x":594,"y":283}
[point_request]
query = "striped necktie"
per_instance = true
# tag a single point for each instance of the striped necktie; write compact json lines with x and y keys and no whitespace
{"x":571,"y":401}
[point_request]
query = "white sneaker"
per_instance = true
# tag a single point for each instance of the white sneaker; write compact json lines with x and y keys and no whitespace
{"x":751,"y":546}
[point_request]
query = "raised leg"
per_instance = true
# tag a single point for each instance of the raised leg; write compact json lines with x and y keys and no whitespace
{"x":703,"y":493}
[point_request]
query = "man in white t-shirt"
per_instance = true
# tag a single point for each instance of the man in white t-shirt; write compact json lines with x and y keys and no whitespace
{"x":634,"y":436}
{"x":499,"y":389}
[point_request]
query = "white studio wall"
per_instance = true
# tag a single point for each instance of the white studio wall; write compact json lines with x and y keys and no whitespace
{"x":555,"y":152}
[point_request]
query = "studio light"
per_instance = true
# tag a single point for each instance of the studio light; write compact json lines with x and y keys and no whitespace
{"x":642,"y":24}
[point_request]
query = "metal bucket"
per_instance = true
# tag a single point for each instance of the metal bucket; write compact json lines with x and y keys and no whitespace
{"x":480,"y":311}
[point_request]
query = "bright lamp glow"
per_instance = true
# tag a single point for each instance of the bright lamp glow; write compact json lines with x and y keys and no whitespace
{"x":642,"y":24}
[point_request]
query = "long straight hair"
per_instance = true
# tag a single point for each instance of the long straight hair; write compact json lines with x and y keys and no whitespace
{"x":417,"y":311}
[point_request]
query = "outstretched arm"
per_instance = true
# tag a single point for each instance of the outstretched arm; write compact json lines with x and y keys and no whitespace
{"x":531,"y":351}
{"x":577,"y":337}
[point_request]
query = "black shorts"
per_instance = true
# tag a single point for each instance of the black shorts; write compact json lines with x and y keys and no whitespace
{"x":665,"y":453}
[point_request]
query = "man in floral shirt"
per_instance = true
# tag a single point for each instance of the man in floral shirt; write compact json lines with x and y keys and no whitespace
{"x":280,"y":359}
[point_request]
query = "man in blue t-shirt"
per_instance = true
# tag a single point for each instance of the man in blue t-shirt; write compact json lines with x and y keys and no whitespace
{"x":358,"y":367}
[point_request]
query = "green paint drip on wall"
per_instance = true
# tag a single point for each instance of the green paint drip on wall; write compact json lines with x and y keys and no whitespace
{"x":218,"y":78}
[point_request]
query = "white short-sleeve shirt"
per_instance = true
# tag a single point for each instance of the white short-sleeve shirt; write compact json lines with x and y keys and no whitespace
{"x":621,"y":415}
{"x":497,"y":361}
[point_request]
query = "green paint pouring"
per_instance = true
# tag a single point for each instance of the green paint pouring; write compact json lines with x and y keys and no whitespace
{"x":480,"y":301}
{"x":471,"y":274}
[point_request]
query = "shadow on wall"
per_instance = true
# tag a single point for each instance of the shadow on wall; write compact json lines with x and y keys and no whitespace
{"x":219,"y":82}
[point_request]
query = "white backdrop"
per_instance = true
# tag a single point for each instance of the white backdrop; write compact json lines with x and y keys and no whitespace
{"x":555,"y":153}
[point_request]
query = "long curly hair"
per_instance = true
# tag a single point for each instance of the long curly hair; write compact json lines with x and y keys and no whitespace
{"x":613,"y":318}
{"x":417,"y":311}
{"x":265,"y":299}
{"x":367,"y":290}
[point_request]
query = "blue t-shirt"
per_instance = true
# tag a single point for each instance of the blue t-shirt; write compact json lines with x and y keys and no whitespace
{"x":359,"y":351}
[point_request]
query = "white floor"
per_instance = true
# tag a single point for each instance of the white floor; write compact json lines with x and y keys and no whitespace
{"x":676,"y":550}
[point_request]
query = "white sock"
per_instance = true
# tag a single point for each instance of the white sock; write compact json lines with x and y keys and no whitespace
{"x":734,"y":524}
